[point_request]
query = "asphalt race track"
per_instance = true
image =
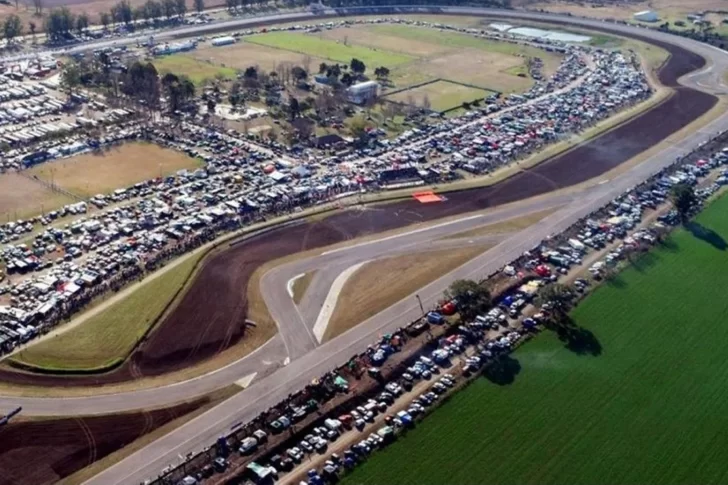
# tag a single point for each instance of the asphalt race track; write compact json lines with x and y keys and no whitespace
{"x":211,"y":316}
{"x":578,"y":165}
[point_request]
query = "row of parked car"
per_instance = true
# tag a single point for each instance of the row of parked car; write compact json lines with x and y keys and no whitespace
{"x":498,"y":330}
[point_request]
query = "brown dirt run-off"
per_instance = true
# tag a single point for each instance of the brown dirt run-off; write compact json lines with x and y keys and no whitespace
{"x":45,"y":451}
{"x":211,"y":315}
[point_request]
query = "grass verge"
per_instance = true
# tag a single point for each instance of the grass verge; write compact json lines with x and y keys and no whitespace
{"x":381,"y":283}
{"x":301,"y":285}
{"x":329,"y":49}
{"x":105,"y":340}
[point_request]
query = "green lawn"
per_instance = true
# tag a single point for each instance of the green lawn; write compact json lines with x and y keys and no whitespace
{"x":443,"y":95}
{"x":646,"y":403}
{"x":107,"y":338}
{"x":197,"y":71}
{"x":329,"y":49}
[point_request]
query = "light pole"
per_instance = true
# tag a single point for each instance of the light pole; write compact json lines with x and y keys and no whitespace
{"x":420,"y":302}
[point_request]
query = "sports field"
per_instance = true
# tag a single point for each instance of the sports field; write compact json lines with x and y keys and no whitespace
{"x":442,"y":95}
{"x":638,"y":396}
{"x":329,"y":49}
{"x":113,"y":168}
{"x":107,"y":338}
{"x":197,"y":70}
{"x":464,"y":58}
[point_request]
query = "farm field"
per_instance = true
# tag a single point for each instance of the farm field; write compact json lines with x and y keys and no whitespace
{"x":442,"y":95}
{"x":329,"y":49}
{"x":120,"y":166}
{"x":381,"y":283}
{"x":636,"y":396}
{"x":21,"y":197}
{"x":106,"y":339}
{"x":197,"y":70}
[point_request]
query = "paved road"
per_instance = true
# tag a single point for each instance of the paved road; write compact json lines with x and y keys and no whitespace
{"x":268,"y":390}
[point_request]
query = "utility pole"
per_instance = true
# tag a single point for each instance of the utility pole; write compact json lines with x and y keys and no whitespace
{"x":420,"y":302}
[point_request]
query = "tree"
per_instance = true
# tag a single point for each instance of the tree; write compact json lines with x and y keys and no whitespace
{"x":347,"y":79}
{"x":70,"y":77}
{"x":357,"y":66}
{"x":105,"y":19}
{"x":299,"y":73}
{"x":154,"y":9}
{"x":381,"y":72}
{"x":38,"y":6}
{"x":169,"y":7}
{"x":178,"y":90}
{"x":236,"y":96}
{"x":181,"y":8}
{"x":684,"y":200}
{"x":199,"y":5}
{"x":294,"y":107}
{"x":558,"y":298}
{"x":472,"y":298}
{"x":82,"y":22}
{"x":13,"y":27}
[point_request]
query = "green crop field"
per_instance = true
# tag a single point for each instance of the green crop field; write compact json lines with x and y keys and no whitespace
{"x":106,"y":339}
{"x":639,"y":396}
{"x":329,"y":49}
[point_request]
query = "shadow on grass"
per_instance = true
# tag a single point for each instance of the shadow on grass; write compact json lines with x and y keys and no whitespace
{"x":669,"y":245}
{"x":706,"y":234}
{"x":578,"y":339}
{"x":503,"y":371}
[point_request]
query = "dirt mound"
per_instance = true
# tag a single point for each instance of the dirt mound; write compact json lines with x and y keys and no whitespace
{"x":211,"y":315}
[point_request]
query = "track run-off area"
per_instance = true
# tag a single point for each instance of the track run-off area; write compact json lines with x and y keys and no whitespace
{"x":693,"y":71}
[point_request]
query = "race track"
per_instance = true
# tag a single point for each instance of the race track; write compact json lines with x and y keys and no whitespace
{"x":692,"y":98}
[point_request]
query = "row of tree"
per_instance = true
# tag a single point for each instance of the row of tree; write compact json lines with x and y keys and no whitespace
{"x":61,"y":22}
{"x":12,"y":27}
{"x":140,"y":84}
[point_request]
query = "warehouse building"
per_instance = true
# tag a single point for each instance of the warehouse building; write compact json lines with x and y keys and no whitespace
{"x":362,"y":92}
{"x":646,"y":16}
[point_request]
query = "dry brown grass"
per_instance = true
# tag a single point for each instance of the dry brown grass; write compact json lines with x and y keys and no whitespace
{"x":301,"y":285}
{"x":245,"y":54}
{"x":381,"y":283}
{"x":97,"y":467}
{"x":670,"y":10}
{"x":511,"y":225}
{"x":103,"y":172}
{"x":21,"y":198}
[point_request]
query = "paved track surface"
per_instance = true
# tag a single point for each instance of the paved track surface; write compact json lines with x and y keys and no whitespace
{"x":606,"y":152}
{"x":211,"y":316}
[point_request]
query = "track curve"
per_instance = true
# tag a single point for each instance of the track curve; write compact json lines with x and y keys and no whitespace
{"x":267,"y":391}
{"x":211,"y":316}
